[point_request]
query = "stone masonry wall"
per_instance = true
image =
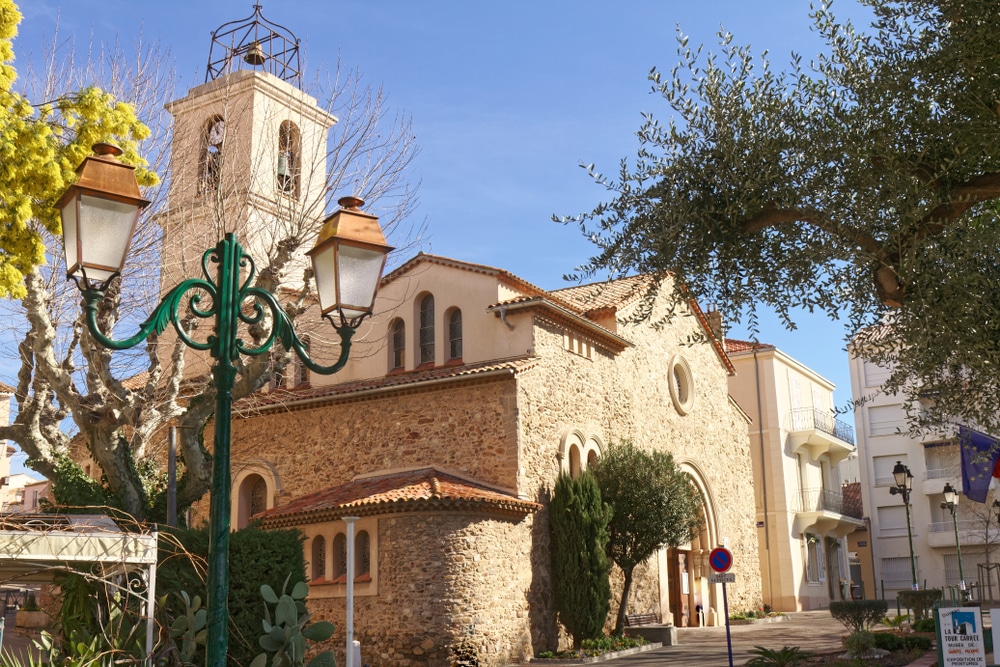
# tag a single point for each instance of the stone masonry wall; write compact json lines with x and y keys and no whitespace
{"x":445,"y":580}
{"x":465,"y":427}
{"x":628,"y":398}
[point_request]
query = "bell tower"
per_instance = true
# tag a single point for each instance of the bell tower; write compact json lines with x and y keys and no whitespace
{"x":249,"y":152}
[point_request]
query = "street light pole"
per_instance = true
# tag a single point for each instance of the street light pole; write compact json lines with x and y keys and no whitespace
{"x":951,"y":503}
{"x":347,"y":261}
{"x":904,"y":483}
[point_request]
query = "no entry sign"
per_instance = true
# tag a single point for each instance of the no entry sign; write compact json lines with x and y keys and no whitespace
{"x":720,"y":559}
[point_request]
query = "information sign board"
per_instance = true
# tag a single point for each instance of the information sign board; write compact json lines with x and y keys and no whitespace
{"x":722,"y":578}
{"x":960,"y":637}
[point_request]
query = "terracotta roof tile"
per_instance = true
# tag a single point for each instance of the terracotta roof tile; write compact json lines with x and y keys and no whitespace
{"x":598,"y":296}
{"x":6,"y":388}
{"x":286,"y":396}
{"x":852,"y":500}
{"x":734,"y":346}
{"x":424,"y":489}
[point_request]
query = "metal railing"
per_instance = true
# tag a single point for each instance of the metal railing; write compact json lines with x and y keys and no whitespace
{"x":952,"y":472}
{"x":948,"y":526}
{"x":805,"y":419}
{"x":820,"y":500}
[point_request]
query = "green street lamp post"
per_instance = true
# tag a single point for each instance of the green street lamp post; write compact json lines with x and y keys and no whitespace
{"x":99,"y":214}
{"x":951,"y":503}
{"x":904,"y":484}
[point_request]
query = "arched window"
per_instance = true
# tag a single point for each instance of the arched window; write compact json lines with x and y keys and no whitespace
{"x":318,"y":560}
{"x":340,"y":558}
{"x":591,"y":459}
{"x":362,"y":556}
{"x":427,"y":329}
{"x":397,"y":344}
{"x":574,"y":461}
{"x":455,"y":334}
{"x":251,"y":499}
{"x":288,"y":159}
{"x":211,"y":156}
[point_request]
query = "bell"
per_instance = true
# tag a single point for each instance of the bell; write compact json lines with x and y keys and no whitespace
{"x":283,"y":166}
{"x":254,"y":55}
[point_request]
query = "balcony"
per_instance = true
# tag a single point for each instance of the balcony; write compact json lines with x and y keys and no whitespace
{"x":818,"y":432}
{"x":935,"y":479}
{"x":942,"y":533}
{"x":822,"y":512}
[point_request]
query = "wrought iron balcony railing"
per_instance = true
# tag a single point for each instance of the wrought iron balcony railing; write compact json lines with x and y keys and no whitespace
{"x":823,"y":500}
{"x":805,"y":419}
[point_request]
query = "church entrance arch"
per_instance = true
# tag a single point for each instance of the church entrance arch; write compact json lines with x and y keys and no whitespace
{"x":686,"y":597}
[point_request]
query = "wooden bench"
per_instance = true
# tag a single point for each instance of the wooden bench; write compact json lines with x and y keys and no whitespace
{"x":633,"y":620}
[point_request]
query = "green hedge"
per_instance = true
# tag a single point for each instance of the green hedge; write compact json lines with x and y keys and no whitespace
{"x":857,"y":615}
{"x":890,"y":641}
{"x":256,"y":557}
{"x":925,"y":625}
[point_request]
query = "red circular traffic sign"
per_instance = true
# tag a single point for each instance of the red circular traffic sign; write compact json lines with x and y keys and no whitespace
{"x":720,"y":559}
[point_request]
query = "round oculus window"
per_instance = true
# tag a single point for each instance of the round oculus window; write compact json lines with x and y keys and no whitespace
{"x":681,"y":384}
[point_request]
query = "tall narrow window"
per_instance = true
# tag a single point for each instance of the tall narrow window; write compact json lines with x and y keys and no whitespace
{"x":427,"y":330}
{"x":277,"y":375}
{"x":455,"y":334}
{"x":397,"y":344}
{"x":340,"y":557}
{"x":318,"y":557}
{"x":288,"y":159}
{"x":362,"y":556}
{"x":211,"y":157}
{"x":258,"y":496}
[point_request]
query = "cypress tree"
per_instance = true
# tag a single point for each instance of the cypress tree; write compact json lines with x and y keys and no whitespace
{"x":580,"y":566}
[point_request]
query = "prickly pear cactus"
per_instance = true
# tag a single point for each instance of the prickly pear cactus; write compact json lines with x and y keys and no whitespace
{"x":284,"y":639}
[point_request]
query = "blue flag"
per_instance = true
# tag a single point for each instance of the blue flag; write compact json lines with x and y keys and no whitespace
{"x":980,"y":453}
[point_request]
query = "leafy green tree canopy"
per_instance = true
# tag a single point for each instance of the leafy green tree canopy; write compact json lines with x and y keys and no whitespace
{"x":653,"y":503}
{"x":40,"y":147}
{"x":862,"y":184}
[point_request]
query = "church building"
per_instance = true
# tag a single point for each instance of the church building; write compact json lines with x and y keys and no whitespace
{"x":466,"y":394}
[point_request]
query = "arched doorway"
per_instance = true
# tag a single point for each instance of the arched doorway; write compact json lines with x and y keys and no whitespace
{"x":686,"y":597}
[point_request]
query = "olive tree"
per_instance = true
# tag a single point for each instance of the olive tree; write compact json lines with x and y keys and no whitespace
{"x":653,"y":504}
{"x":862,"y":183}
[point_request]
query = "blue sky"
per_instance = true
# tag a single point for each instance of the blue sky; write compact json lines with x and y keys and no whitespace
{"x":507,"y":99}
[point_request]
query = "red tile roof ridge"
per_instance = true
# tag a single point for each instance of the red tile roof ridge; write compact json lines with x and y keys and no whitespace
{"x":291,"y":397}
{"x":504,"y":275}
{"x":736,"y":346}
{"x":420,"y":489}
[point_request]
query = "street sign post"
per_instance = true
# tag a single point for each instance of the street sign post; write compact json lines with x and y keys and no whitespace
{"x":720,"y":559}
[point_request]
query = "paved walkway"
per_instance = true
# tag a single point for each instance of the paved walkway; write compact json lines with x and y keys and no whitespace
{"x":812,"y":631}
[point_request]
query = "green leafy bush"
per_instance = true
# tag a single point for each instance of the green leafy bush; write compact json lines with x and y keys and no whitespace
{"x":860,"y":643}
{"x":256,"y":558}
{"x":913,"y":642}
{"x":925,"y":625}
{"x":614,"y":643}
{"x":786,"y":656}
{"x":888,"y":641}
{"x":858,"y":615}
{"x":919,"y":601}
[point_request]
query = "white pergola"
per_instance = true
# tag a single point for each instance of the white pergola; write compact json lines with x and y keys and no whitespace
{"x":35,"y":547}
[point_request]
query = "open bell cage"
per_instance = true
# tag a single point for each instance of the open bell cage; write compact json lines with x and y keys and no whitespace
{"x":254,"y":43}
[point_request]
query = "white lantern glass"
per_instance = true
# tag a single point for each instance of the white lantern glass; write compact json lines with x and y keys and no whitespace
{"x":359,"y":272}
{"x":325,"y":270}
{"x":70,"y":238}
{"x":103,"y":234}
